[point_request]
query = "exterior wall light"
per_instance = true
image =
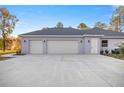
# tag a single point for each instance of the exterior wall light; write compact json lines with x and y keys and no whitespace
{"x":81,"y":41}
{"x":24,"y":41}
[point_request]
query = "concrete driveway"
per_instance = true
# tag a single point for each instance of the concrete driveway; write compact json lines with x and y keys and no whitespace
{"x":62,"y":70}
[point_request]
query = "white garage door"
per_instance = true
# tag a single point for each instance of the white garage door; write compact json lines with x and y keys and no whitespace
{"x":62,"y":47}
{"x":36,"y":47}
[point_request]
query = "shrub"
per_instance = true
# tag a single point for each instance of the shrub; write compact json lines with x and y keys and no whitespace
{"x":113,"y":51}
{"x":106,"y":51}
{"x":101,"y":52}
{"x":122,"y":48}
{"x":117,"y":51}
{"x":18,"y":52}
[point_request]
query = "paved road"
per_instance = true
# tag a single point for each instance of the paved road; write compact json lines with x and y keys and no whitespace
{"x":62,"y":70}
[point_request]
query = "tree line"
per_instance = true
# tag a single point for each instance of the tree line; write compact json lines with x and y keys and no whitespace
{"x":116,"y":22}
{"x":7,"y":25}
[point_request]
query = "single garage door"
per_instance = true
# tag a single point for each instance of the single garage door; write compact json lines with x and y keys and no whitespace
{"x":62,"y":47}
{"x":36,"y":47}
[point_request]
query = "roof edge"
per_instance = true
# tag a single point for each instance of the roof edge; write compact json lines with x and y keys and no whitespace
{"x":42,"y":36}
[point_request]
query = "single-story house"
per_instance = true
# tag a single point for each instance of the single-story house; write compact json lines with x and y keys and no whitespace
{"x":70,"y":41}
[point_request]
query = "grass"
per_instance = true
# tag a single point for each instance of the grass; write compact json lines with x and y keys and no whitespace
{"x":118,"y":56}
{"x":4,"y":58}
{"x":7,"y":52}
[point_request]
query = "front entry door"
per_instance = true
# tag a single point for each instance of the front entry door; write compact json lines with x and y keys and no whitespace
{"x":94,"y":45}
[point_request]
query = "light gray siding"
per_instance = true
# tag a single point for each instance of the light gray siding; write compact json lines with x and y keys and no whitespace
{"x":112,"y":43}
{"x":44,"y":46}
{"x":87,"y":45}
{"x":81,"y":46}
{"x":25,"y":46}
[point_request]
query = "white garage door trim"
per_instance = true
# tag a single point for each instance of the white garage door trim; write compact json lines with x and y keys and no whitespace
{"x":62,"y":47}
{"x":36,"y":47}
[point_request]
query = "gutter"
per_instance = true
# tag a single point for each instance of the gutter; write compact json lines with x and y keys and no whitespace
{"x":92,"y":35}
{"x":50,"y":36}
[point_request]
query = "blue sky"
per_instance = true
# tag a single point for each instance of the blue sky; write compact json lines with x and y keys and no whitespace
{"x":34,"y":17}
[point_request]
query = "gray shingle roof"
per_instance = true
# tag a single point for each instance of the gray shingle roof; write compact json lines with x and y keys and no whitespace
{"x":72,"y":31}
{"x":56,"y":31}
{"x":98,"y":31}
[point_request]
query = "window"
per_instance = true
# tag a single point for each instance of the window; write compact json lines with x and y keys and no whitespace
{"x":104,"y":43}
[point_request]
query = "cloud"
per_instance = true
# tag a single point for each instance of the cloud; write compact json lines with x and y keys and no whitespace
{"x":108,"y":15}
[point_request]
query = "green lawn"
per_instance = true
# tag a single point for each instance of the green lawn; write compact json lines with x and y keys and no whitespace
{"x":118,"y":56}
{"x":4,"y":58}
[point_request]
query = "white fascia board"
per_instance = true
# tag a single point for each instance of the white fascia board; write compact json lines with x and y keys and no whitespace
{"x":114,"y":37}
{"x":76,"y":36}
{"x":92,"y":35}
{"x":42,"y":36}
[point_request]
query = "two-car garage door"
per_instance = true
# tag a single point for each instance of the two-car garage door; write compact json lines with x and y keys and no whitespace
{"x":62,"y":47}
{"x":54,"y":47}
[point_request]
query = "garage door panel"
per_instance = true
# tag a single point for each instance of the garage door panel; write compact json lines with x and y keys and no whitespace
{"x":62,"y":47}
{"x":36,"y":47}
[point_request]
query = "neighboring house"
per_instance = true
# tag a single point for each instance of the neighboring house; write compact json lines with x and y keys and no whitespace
{"x":70,"y":41}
